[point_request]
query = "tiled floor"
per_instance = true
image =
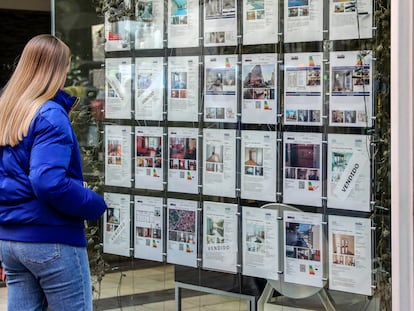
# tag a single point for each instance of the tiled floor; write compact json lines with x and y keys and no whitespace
{"x":118,"y":289}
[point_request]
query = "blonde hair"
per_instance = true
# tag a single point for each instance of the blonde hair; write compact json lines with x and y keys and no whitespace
{"x":40,"y":73}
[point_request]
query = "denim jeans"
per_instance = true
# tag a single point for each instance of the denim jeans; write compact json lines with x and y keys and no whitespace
{"x":42,"y":275}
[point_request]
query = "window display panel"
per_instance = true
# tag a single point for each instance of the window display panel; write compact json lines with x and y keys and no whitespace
{"x":258,"y":165}
{"x":349,"y":179}
{"x":350,"y":102}
{"x":350,"y":19}
{"x":302,"y":158}
{"x":219,"y":162}
{"x":118,"y":155}
{"x":303,"y":20}
{"x":183,"y":160}
{"x":350,"y":254}
{"x":220,"y":22}
{"x":182,"y":232}
{"x":183,"y":88}
{"x":260,"y":24}
{"x":118,"y":79}
{"x":303,"y":260}
{"x":149,"y":155}
{"x":148,"y":228}
{"x":169,"y":93}
{"x":259,"y":83}
{"x":149,"y":88}
{"x":303,"y":89}
{"x":117,"y":34}
{"x":220,"y":88}
{"x":183,"y":23}
{"x":117,"y":227}
{"x":220,"y":230}
{"x":260,"y":242}
{"x":149,"y":25}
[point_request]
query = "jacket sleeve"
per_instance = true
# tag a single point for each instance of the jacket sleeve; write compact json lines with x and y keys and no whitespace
{"x":49,"y":163}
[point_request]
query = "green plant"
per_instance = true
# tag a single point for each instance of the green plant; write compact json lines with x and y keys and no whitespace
{"x":382,"y":141}
{"x":116,"y":9}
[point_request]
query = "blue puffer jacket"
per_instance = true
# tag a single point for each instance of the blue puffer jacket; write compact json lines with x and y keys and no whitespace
{"x":42,"y":197}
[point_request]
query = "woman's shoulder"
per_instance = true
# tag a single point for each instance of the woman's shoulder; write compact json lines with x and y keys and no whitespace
{"x":52,"y":115}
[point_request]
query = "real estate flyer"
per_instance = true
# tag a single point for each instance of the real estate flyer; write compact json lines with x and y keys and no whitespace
{"x":303,"y":20}
{"x":183,"y":23}
{"x":350,"y":254}
{"x":149,"y":25}
{"x":259,"y":83}
{"x":258,"y":165}
{"x":350,"y":101}
{"x":149,"y":88}
{"x":148,"y":228}
{"x":303,"y":89}
{"x":117,"y":218}
{"x":118,"y":155}
{"x":349,"y":182}
{"x":183,"y":160}
{"x":219,"y":162}
{"x":117,"y":34}
{"x":303,"y":248}
{"x":350,"y":19}
{"x":260,"y":242}
{"x":182,"y":232}
{"x":183,"y":88}
{"x":149,"y":165}
{"x":302,"y":158}
{"x":118,"y":77}
{"x":260,"y":21}
{"x":220,"y":22}
{"x":220,"y":232}
{"x":220,"y":87}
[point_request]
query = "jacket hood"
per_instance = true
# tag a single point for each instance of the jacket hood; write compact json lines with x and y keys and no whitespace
{"x":67,"y":101}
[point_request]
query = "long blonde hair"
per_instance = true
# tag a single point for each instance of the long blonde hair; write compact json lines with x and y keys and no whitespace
{"x":40,"y":73}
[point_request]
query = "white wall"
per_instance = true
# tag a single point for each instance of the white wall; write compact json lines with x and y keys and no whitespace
{"x":29,"y":5}
{"x":402,"y":155}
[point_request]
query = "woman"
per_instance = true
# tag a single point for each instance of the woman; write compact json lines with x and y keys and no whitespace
{"x":43,"y":201}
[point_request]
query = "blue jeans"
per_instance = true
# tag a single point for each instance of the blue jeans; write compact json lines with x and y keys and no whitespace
{"x":42,"y":275}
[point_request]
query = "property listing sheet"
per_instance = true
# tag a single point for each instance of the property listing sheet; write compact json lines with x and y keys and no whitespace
{"x":149,"y":166}
{"x":118,"y":79}
{"x":260,"y":21}
{"x":183,"y":23}
{"x":260,"y":242}
{"x":303,"y":20}
{"x":149,"y":229}
{"x":220,"y":232}
{"x":118,"y":155}
{"x":149,"y":25}
{"x":219,"y":162}
{"x":350,"y":256}
{"x":149,"y":88}
{"x":303,"y":248}
{"x":220,"y":87}
{"x":350,"y":101}
{"x":258,"y":165}
{"x":117,"y":218}
{"x":303,"y":89}
{"x":302,"y":158}
{"x":349,"y":180}
{"x":220,"y":22}
{"x":117,"y":34}
{"x":183,"y":88}
{"x":182,"y":232}
{"x":350,"y":19}
{"x":259,"y":78}
{"x":183,"y":160}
